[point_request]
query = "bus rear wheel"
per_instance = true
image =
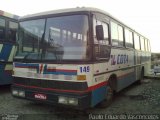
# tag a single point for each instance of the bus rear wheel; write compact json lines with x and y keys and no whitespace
{"x":141,"y":77}
{"x":108,"y":98}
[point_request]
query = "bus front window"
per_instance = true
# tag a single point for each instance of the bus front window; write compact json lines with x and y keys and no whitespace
{"x":30,"y":38}
{"x":66,"y":38}
{"x":63,"y":38}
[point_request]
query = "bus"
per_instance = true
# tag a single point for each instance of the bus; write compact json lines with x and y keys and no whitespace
{"x":77,"y":57}
{"x":8,"y":32}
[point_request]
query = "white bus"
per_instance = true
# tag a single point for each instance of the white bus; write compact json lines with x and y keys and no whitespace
{"x":77,"y":57}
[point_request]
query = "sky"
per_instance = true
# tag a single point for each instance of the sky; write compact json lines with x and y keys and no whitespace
{"x":141,"y":15}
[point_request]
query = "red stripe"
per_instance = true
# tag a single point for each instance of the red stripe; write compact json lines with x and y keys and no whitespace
{"x":51,"y":70}
{"x":60,"y":70}
{"x":41,"y":68}
{"x":97,"y":86}
{"x":71,"y":91}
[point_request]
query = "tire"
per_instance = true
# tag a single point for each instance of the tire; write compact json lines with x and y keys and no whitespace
{"x":141,"y":77}
{"x":142,"y":74}
{"x":108,"y":98}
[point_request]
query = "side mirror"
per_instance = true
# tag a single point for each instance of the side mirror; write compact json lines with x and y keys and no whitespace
{"x":99,"y":32}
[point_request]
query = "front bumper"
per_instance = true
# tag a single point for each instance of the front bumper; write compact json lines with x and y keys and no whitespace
{"x":83,"y":100}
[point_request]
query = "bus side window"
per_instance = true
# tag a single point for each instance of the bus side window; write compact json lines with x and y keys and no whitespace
{"x":128,"y":38}
{"x":2,"y":29}
{"x":149,"y":49}
{"x":142,"y":43}
{"x":117,"y":35}
{"x":146,"y":45}
{"x":136,"y":42}
{"x":13,"y":28}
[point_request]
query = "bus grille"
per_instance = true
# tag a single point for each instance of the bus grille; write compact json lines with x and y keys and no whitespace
{"x":63,"y":85}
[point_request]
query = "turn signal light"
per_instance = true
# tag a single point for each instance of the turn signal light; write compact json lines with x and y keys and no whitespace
{"x":81,"y":77}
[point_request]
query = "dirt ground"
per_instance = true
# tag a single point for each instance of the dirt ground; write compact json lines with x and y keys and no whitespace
{"x":134,"y":102}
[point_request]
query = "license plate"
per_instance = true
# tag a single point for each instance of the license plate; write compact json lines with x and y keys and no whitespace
{"x":40,"y":96}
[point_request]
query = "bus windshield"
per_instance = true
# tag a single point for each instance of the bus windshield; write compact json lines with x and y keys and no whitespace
{"x":56,"y":38}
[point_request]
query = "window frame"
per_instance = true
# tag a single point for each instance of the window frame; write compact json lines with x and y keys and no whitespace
{"x":102,"y":19}
{"x":8,"y":29}
{"x":130,"y":36}
{"x":4,"y":27}
{"x":118,"y":40}
{"x":142,"y":45}
{"x":137,"y":41}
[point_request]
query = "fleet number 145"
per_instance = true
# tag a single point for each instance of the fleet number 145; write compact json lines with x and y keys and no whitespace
{"x":84,"y":69}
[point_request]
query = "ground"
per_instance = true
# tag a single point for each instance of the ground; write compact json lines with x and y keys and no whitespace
{"x":143,"y":99}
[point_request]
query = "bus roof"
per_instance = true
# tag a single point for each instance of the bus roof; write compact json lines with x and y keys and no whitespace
{"x":9,"y":15}
{"x":72,"y":10}
{"x":69,"y":10}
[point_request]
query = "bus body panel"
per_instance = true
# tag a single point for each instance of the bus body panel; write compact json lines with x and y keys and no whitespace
{"x":8,"y":29}
{"x":59,"y":72}
{"x":98,"y":95}
{"x":7,"y":52}
{"x":64,"y":78}
{"x":138,"y":63}
{"x":121,"y":64}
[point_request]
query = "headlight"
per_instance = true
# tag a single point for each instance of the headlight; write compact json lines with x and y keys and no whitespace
{"x":67,"y":100}
{"x":18,"y":93}
{"x":63,"y":100}
{"x":21,"y":94}
{"x":15,"y":92}
{"x":73,"y":101}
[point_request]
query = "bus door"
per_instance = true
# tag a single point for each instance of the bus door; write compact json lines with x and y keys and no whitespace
{"x":138,"y":64}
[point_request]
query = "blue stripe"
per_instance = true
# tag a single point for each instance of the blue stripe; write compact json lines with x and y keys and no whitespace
{"x":126,"y":81}
{"x":45,"y":69}
{"x":98,"y":95}
{"x":26,"y":65}
{"x":5,"y":53}
{"x":58,"y":72}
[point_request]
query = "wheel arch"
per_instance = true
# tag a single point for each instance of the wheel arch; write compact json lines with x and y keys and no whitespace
{"x":112,"y":82}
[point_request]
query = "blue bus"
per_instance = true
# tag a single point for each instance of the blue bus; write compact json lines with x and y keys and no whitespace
{"x":8,"y":33}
